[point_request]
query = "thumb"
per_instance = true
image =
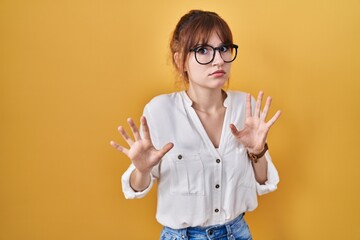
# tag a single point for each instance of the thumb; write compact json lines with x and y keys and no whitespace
{"x":233,"y":129}
{"x":166,"y":148}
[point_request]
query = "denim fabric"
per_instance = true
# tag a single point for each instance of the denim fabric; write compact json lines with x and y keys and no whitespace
{"x":236,"y":229}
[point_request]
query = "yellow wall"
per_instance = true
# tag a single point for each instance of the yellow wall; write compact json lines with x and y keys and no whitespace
{"x":72,"y":71}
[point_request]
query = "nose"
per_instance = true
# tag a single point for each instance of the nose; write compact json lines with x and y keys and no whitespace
{"x":217,"y":58}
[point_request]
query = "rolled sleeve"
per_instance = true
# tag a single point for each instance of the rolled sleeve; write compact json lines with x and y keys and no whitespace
{"x":127,"y":189}
{"x":272,"y":178}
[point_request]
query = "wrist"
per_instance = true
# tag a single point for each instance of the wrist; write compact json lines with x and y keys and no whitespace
{"x":254,"y":155}
{"x":142,"y":173}
{"x":256,"y":150}
{"x":139,"y":181}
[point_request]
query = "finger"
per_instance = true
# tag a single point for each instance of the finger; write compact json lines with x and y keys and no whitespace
{"x":119,"y":148}
{"x":248,"y":106}
{"x":145,"y":128}
{"x":274,"y":118}
{"x":266,"y":108}
{"x":125,"y":136}
{"x":234,"y":130}
{"x":166,"y":149}
{"x":134,"y":129}
{"x":258,"y":104}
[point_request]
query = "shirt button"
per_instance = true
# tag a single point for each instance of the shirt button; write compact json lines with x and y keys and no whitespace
{"x":217,"y":160}
{"x":217,"y":186}
{"x":211,"y":232}
{"x":179,"y":157}
{"x":216,"y":210}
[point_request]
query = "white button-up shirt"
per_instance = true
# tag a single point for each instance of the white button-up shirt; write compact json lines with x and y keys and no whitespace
{"x":198,"y":184}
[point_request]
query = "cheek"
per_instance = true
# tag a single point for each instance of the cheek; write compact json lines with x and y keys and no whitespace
{"x":193,"y":66}
{"x":228,"y":68}
{"x":188,"y":64}
{"x":196,"y":71}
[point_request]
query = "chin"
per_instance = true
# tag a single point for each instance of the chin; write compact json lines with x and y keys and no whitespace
{"x":220,"y":83}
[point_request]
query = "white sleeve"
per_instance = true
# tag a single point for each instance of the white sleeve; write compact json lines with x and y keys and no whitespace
{"x":272,"y":178}
{"x":127,"y":189}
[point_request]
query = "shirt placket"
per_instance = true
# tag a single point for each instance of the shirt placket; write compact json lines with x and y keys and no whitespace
{"x":216,"y":188}
{"x":218,"y":215}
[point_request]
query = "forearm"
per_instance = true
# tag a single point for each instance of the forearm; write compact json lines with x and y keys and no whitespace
{"x":139,"y":181}
{"x":260,"y":170}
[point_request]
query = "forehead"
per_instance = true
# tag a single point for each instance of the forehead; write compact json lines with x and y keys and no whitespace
{"x":212,"y":38}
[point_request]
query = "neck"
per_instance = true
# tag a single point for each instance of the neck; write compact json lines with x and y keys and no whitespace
{"x":207,"y":100}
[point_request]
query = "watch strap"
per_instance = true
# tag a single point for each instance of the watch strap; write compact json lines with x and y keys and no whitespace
{"x":254,"y":157}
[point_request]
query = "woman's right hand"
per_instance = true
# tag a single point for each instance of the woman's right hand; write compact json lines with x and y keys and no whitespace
{"x":141,"y":150}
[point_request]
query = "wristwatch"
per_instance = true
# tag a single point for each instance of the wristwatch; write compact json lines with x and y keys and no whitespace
{"x":254,"y":157}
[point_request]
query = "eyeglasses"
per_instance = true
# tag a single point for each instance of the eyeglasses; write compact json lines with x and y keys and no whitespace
{"x":205,"y":54}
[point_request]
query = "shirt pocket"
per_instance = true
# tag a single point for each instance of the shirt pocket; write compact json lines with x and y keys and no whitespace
{"x":187,"y":174}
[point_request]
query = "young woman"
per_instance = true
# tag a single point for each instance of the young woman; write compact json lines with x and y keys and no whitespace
{"x":205,"y":146}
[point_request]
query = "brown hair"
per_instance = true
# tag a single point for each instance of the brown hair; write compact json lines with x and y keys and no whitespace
{"x":193,"y":28}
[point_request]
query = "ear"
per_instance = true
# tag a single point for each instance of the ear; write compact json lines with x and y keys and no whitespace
{"x":176,"y":59}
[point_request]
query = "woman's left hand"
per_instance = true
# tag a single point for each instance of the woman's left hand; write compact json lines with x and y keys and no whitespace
{"x":254,"y":133}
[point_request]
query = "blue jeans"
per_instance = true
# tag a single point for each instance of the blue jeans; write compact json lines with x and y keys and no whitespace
{"x":236,"y":229}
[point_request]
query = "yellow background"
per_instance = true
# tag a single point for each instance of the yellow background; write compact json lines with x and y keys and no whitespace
{"x":71,"y":71}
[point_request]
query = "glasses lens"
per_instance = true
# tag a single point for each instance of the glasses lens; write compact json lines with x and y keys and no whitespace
{"x":205,"y":54}
{"x":228,"y":53}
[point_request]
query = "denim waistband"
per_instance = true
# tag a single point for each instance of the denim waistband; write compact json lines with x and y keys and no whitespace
{"x":209,"y":232}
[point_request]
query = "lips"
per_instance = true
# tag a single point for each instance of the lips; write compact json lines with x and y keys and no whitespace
{"x":218,"y":72}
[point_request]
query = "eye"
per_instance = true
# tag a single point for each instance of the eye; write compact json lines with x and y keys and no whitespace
{"x":202,"y":50}
{"x":224,"y":48}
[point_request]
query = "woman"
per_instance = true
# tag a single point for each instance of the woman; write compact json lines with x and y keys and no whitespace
{"x":205,"y":146}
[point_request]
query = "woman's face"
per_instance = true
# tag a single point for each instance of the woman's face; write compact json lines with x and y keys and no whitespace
{"x":211,"y":76}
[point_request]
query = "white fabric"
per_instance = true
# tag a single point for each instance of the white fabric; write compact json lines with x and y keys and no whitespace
{"x":188,"y":174}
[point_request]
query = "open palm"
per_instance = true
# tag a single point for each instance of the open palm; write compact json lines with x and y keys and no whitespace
{"x":141,"y":150}
{"x":254,"y":133}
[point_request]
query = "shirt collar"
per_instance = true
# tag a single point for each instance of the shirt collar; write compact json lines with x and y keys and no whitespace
{"x":189,"y":102}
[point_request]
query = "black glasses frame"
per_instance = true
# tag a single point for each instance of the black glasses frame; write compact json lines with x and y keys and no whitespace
{"x":233,"y":46}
